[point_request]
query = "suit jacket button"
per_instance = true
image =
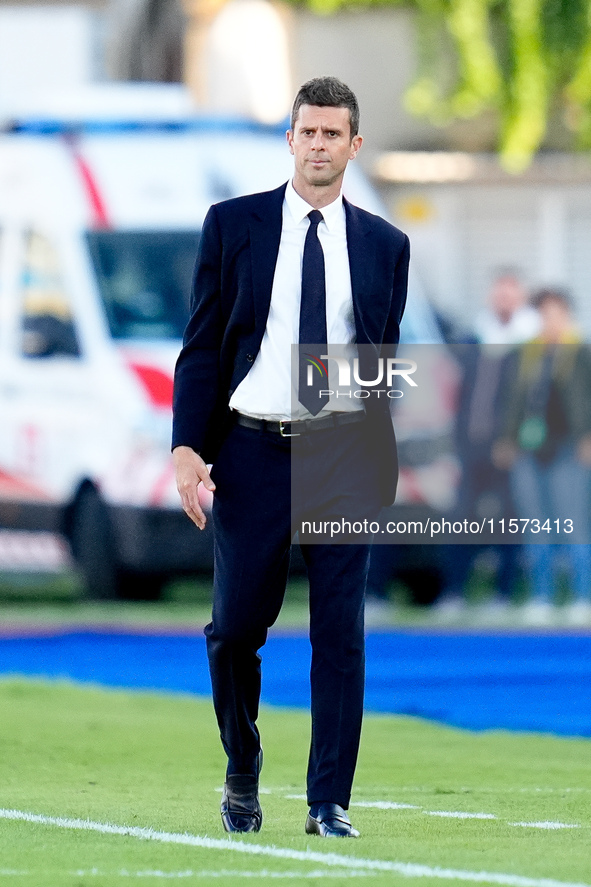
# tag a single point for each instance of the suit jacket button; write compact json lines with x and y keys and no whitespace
{"x":250,"y":357}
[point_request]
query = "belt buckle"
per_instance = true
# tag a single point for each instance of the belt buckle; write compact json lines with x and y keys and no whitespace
{"x":284,"y":433}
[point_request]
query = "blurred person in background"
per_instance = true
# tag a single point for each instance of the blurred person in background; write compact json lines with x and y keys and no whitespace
{"x":508,"y":318}
{"x":546,"y":444}
{"x":484,"y":490}
{"x":297,"y":264}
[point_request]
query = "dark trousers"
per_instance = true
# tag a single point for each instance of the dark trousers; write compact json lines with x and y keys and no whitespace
{"x":484,"y":491}
{"x":254,"y":520}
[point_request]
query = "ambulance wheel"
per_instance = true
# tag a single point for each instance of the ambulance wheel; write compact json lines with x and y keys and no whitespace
{"x":424,"y":585}
{"x":93,"y":546}
{"x":139,"y":586}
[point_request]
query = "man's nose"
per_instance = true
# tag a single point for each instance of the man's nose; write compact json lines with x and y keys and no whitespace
{"x":318,"y":141}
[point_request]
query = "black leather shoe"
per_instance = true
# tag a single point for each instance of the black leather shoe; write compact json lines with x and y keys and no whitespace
{"x":331,"y":822}
{"x":240,"y":807}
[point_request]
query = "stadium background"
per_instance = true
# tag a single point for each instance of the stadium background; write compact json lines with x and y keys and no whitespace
{"x":475,"y":761}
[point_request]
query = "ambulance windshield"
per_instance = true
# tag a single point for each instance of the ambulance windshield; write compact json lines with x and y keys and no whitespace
{"x":144,"y":279}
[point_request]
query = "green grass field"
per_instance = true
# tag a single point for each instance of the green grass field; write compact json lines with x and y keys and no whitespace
{"x":151,"y":761}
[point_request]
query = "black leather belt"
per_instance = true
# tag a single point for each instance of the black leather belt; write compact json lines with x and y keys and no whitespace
{"x":302,"y":426}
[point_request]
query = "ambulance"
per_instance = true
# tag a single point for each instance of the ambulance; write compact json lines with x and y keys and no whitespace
{"x":102,"y":197}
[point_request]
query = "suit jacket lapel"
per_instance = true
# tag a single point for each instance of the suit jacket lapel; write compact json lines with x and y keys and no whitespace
{"x":265,"y":235}
{"x":361,"y":251}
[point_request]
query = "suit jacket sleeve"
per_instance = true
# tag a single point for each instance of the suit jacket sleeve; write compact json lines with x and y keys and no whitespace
{"x":197,"y":376}
{"x":398,"y":302}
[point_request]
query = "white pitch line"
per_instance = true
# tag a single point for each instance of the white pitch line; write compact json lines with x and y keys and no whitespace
{"x":209,"y":874}
{"x":547,"y":825}
{"x":458,"y":814}
{"x":334,"y":860}
{"x":384,"y":805}
{"x":448,"y":814}
{"x":377,"y":805}
{"x":223,"y":873}
{"x":262,"y":791}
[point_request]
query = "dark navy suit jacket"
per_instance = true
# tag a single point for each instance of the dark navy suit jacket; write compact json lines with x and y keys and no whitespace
{"x":230,"y":303}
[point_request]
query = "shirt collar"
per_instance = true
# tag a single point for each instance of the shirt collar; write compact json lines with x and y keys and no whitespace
{"x":333,"y":214}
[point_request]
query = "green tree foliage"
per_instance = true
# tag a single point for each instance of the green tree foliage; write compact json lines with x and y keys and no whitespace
{"x":522,"y":59}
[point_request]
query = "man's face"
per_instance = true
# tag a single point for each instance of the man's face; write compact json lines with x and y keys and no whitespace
{"x":556,"y":319}
{"x":321,"y":144}
{"x":507,"y":296}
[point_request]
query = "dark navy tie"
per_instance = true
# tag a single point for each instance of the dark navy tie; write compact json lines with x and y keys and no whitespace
{"x":313,"y":321}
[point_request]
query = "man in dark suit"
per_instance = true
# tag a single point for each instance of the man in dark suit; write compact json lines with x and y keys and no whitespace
{"x":295,"y":265}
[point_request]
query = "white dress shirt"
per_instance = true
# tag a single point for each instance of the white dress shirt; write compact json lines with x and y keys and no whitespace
{"x":266,"y":392}
{"x":523,"y":325}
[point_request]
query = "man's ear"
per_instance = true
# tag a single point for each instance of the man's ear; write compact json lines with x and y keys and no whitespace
{"x":289,"y":137}
{"x":356,"y":143}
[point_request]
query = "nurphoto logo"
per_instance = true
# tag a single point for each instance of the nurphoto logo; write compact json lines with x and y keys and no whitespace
{"x":349,"y":373}
{"x":315,"y":363}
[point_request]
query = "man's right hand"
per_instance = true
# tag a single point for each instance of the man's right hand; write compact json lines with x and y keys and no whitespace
{"x":191,"y":471}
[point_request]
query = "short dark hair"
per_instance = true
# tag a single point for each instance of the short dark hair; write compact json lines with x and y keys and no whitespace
{"x":552,"y":294}
{"x":502,"y":272}
{"x":327,"y":92}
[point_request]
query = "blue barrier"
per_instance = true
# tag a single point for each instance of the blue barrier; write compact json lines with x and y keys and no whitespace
{"x":475,"y":681}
